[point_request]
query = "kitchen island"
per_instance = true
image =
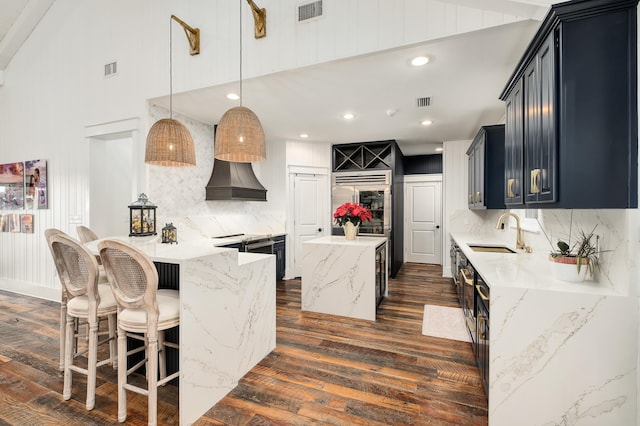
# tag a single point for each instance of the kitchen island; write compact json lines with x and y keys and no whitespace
{"x":342,"y":277}
{"x":559,"y":352}
{"x":227,"y":316}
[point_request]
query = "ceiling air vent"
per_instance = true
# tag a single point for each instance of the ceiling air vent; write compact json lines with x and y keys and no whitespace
{"x":110,"y":69}
{"x":309,"y":10}
{"x":423,"y":102}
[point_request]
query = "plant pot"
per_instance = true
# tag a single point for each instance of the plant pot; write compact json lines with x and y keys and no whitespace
{"x":565,"y":268}
{"x":350,"y":230}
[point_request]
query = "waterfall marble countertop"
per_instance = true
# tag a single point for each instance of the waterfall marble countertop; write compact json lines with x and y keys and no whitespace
{"x":560,"y":353}
{"x":339,"y":276}
{"x":227,"y":316}
{"x":520,"y":269}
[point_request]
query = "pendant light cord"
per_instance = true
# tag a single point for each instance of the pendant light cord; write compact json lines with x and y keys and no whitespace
{"x":171,"y":67}
{"x":240,"y":2}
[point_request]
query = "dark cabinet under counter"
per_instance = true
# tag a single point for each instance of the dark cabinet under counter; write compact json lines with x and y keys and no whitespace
{"x":276,"y":246}
{"x":279,"y":249}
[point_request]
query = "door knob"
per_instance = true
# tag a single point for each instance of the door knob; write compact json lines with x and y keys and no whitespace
{"x":319,"y":229}
{"x":437,"y":226}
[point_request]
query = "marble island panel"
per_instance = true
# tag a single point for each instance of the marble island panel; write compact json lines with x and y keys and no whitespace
{"x":560,"y":353}
{"x":227,"y":316}
{"x":338,"y":276}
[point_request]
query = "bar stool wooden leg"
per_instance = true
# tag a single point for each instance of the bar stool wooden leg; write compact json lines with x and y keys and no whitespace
{"x":68,"y":357}
{"x":63,"y":325}
{"x":113,"y":343}
{"x":92,"y":360}
{"x":122,"y":375}
{"x":152,"y":366}
{"x":162,"y":354}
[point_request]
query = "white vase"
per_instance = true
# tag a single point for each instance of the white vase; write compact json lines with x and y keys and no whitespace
{"x":564,"y":270}
{"x":350,"y":230}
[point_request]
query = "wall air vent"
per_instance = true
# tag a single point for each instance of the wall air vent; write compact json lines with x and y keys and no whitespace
{"x":423,"y":102}
{"x":309,"y":11}
{"x":111,"y":69}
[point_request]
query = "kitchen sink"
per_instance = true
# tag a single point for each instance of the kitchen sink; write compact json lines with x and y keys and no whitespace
{"x":490,"y":249}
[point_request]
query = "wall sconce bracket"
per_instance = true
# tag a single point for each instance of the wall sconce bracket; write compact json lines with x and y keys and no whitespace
{"x":259,"y":20}
{"x":193,"y":36}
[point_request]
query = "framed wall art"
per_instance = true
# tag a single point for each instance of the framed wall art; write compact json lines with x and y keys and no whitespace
{"x":35,"y":184}
{"x":12,"y":186}
{"x":26,"y":223}
{"x":14,"y":222}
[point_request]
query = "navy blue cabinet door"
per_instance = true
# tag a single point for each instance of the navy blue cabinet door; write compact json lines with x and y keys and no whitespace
{"x":514,"y":139}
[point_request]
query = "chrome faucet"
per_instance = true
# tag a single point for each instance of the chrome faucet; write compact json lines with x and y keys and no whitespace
{"x":500,"y":225}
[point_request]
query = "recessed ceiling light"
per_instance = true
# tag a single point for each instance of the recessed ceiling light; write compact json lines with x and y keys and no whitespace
{"x":304,"y":135}
{"x":439,"y":149}
{"x":233,"y":96}
{"x":427,"y":123}
{"x":419,"y":61}
{"x":348,"y":116}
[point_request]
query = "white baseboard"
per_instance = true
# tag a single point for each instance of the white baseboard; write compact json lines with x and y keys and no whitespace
{"x":30,"y":289}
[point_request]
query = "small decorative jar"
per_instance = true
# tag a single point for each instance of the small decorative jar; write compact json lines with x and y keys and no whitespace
{"x":169,"y":234}
{"x":142,"y":217}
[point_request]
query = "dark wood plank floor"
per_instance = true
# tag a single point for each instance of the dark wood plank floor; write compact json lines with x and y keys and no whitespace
{"x":324,"y":370}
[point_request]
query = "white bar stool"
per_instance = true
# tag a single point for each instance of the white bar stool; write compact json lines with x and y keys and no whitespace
{"x":142,"y":308}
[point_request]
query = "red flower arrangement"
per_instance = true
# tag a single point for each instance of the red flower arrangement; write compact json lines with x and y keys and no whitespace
{"x":351,"y":212}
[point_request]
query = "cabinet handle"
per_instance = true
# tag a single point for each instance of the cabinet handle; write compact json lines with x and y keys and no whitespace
{"x":470,"y":199}
{"x":478,"y":197}
{"x":535,"y":181}
{"x":482,"y":332}
{"x":463,"y":275}
{"x":510,"y":184}
{"x":482,"y":294}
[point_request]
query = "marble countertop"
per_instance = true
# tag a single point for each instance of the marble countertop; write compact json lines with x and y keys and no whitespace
{"x":520,"y":269}
{"x":340,"y":240}
{"x":175,"y":253}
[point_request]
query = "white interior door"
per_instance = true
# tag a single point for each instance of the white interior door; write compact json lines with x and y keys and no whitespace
{"x":423,"y":233}
{"x":110,"y":186}
{"x":309,"y":209}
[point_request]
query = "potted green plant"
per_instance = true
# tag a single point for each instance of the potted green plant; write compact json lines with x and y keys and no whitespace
{"x":575,"y":263}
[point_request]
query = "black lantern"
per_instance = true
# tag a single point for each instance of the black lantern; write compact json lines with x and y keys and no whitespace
{"x":142,"y":217}
{"x":169,"y":234}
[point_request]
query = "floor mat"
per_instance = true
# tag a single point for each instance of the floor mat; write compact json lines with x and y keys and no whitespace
{"x":445,"y":322}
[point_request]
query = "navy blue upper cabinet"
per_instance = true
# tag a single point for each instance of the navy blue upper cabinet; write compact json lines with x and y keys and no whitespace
{"x":486,"y":168}
{"x":571,"y":109}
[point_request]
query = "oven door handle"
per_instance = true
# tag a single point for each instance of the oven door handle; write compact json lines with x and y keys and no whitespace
{"x":261,"y":244}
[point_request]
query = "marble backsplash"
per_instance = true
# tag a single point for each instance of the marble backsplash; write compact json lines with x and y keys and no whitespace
{"x":612,"y":227}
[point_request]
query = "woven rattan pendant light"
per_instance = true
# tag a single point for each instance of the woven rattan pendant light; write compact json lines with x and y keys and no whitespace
{"x":169,"y":142}
{"x":239,"y":135}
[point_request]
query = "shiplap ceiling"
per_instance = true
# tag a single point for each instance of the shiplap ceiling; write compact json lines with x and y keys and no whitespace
{"x":463,"y":80}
